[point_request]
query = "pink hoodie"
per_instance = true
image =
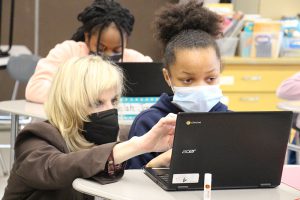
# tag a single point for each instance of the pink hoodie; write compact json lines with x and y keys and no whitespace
{"x":40,"y":82}
{"x":290,"y":88}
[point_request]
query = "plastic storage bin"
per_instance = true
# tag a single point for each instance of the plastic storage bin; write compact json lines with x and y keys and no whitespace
{"x":227,"y":46}
{"x":290,"y":47}
{"x":267,"y":37}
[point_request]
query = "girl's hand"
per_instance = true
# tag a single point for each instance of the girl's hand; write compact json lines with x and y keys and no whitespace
{"x":163,"y":160}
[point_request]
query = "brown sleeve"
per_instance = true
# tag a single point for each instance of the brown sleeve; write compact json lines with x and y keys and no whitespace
{"x":42,"y":166}
{"x":112,"y":172}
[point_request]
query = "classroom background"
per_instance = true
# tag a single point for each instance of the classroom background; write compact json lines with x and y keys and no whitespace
{"x":248,"y":82}
{"x":39,"y":25}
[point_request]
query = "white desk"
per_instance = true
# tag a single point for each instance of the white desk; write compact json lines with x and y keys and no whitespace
{"x":23,"y":108}
{"x":135,"y":185}
{"x":290,"y":106}
{"x":14,"y":51}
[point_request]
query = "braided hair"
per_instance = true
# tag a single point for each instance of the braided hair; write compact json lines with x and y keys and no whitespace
{"x":100,"y":14}
{"x":186,"y":26}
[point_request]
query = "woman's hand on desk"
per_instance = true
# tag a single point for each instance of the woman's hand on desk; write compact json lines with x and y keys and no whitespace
{"x":163,"y":160}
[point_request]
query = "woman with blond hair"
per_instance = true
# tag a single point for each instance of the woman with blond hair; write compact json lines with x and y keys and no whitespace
{"x":79,"y":138}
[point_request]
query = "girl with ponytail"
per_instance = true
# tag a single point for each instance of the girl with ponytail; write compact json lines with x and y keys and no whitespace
{"x":192,"y":68}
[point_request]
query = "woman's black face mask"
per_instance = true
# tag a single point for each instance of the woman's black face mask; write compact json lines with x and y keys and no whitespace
{"x":102,"y":128}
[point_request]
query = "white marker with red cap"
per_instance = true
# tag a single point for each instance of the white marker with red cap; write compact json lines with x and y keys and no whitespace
{"x":207,"y":186}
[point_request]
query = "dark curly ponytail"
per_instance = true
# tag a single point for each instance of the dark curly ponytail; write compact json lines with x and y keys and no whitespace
{"x":187,"y":25}
{"x":100,"y":14}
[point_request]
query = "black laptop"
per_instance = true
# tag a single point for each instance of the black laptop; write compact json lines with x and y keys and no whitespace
{"x":144,"y":79}
{"x":239,"y":149}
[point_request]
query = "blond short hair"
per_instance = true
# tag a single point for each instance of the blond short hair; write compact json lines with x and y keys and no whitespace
{"x":76,"y":88}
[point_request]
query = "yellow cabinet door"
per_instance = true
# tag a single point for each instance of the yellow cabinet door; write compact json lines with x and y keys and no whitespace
{"x":251,"y":101}
{"x":264,"y":79}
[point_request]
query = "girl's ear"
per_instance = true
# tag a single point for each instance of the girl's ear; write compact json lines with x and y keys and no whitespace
{"x":167,"y":76}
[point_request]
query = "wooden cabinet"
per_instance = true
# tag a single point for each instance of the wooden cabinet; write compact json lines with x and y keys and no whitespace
{"x":250,"y":84}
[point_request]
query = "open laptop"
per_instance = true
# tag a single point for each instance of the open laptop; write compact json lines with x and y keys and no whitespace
{"x":144,"y":79}
{"x":144,"y":83}
{"x":239,"y":149}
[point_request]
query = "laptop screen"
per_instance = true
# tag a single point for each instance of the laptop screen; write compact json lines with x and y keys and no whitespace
{"x":144,"y":85}
{"x":240,"y":149}
{"x":144,"y":79}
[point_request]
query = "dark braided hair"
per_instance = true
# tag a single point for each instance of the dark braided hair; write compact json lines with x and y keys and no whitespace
{"x":186,"y":26}
{"x":100,"y":15}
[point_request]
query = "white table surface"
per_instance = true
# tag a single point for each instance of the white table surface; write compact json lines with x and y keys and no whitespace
{"x":17,"y":108}
{"x":135,"y":185}
{"x":14,"y":51}
{"x":289,"y":106}
{"x":24,"y":108}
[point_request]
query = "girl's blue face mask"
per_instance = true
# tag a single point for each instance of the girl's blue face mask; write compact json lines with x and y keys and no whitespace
{"x":198,"y":98}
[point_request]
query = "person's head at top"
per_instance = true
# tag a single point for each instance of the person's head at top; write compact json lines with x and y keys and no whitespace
{"x":192,"y":62}
{"x":106,"y":26}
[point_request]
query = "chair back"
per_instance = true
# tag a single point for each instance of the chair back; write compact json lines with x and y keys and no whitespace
{"x":21,"y":67}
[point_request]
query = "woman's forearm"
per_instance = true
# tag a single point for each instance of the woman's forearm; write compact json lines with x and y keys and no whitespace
{"x":128,"y":149}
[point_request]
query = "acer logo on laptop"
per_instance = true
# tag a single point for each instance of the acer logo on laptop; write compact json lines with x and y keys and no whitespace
{"x":192,"y":122}
{"x":188,"y":151}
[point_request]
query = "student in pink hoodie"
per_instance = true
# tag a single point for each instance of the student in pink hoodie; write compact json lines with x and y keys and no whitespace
{"x":106,"y":26}
{"x":290,"y":88}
